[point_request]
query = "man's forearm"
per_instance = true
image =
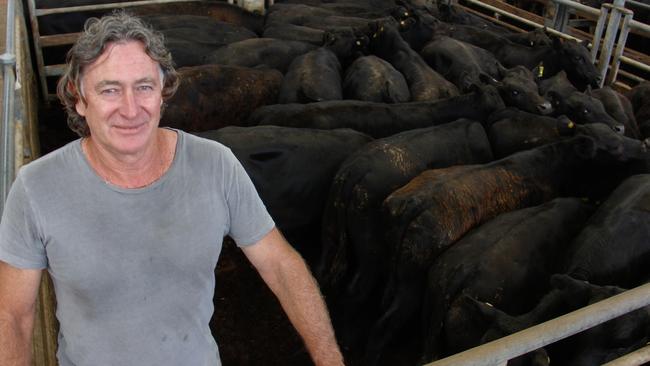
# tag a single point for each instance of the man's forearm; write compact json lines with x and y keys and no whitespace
{"x":301,"y":300}
{"x":16,"y":341}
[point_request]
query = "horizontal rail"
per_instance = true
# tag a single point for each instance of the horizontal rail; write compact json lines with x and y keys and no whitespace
{"x":54,"y":70}
{"x":501,"y":350}
{"x":59,"y":39}
{"x":637,"y":357}
{"x":520,"y":19}
{"x":71,"y":9}
{"x":581,"y":7}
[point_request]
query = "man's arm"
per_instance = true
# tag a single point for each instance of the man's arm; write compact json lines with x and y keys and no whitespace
{"x":286,"y":273}
{"x":18,"y":291}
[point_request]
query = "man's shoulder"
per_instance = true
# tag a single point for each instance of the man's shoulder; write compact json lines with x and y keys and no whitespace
{"x":198,"y":146}
{"x":55,"y":163}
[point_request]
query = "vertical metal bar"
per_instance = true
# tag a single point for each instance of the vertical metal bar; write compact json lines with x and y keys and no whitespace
{"x":561,"y":17}
{"x":608,"y":43}
{"x":598,"y":33}
{"x":8,"y":60}
{"x":620,"y":46}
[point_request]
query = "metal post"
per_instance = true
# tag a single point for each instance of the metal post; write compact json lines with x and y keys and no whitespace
{"x":8,"y":60}
{"x":561,"y":17}
{"x":620,"y":46}
{"x":610,"y":35}
{"x":598,"y":33}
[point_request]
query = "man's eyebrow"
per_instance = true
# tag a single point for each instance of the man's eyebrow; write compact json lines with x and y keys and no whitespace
{"x":104,"y":83}
{"x":146,"y":80}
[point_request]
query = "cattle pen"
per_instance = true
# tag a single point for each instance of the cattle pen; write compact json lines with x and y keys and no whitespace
{"x":26,"y":89}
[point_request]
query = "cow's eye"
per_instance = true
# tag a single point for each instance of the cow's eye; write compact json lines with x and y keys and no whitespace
{"x":514,"y":92}
{"x":585,"y":111}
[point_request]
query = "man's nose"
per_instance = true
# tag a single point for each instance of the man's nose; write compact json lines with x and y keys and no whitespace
{"x":129,"y":106}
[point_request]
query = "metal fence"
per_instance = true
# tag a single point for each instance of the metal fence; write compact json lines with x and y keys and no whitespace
{"x":611,"y":18}
{"x":498,"y":352}
{"x":8,"y":60}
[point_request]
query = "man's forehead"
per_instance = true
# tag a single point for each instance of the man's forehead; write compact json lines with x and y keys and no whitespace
{"x":120,"y":59}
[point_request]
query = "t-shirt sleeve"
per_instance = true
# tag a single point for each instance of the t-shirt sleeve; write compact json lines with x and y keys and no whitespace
{"x":249,"y":218}
{"x":20,"y":242}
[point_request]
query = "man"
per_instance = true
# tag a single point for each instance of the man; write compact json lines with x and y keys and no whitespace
{"x":129,"y":221}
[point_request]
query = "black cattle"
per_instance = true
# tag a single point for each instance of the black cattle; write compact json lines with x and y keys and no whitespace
{"x":511,"y":130}
{"x":280,"y":162}
{"x":640,"y":98}
{"x":312,"y":77}
{"x":614,"y":246}
{"x":461,"y":63}
{"x":259,"y":52}
{"x":556,"y":89}
{"x":380,"y":119}
{"x":594,"y":346}
{"x":191,"y":37}
{"x":507,"y":262}
{"x":533,"y":38}
{"x":585,"y":109}
{"x":213,"y":96}
{"x":567,"y":55}
{"x":372,"y":79}
{"x":354,"y":263}
{"x":73,"y":22}
{"x":519,"y":89}
{"x":315,"y":16}
{"x":294,"y":32}
{"x":316,"y":75}
{"x":424,"y":83}
{"x":431,"y":212}
{"x":619,"y":107}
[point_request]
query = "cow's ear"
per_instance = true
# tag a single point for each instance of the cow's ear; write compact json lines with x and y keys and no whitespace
{"x":584,"y":147}
{"x":489,"y":80}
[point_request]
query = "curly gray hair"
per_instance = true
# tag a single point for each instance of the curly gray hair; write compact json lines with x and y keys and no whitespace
{"x":98,"y":33}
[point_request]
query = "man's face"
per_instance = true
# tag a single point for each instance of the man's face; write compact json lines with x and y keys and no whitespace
{"x":122,"y":89}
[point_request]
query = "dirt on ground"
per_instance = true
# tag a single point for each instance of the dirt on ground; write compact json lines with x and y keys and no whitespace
{"x":248,"y":322}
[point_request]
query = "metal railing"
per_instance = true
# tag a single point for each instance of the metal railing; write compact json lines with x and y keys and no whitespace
{"x":498,"y":352}
{"x":619,"y":18}
{"x":8,"y":61}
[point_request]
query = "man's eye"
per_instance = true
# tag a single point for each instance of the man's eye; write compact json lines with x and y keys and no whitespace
{"x":145,"y":88}
{"x":109,"y":91}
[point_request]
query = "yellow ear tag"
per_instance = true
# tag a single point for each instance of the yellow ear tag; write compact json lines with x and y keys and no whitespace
{"x":540,"y":72}
{"x":358,"y":43}
{"x":381,"y":29}
{"x":406,"y":14}
{"x":571,"y":124}
{"x":402,"y":22}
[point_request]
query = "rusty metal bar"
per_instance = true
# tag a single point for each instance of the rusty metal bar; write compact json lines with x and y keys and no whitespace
{"x":71,"y":9}
{"x":40,"y":63}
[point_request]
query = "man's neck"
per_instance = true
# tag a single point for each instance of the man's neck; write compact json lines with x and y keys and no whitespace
{"x":132,"y":171}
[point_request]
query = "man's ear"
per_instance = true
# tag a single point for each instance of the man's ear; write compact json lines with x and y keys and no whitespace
{"x":80,"y":105}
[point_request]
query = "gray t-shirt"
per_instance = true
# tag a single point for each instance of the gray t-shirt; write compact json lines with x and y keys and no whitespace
{"x":133,"y":269}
